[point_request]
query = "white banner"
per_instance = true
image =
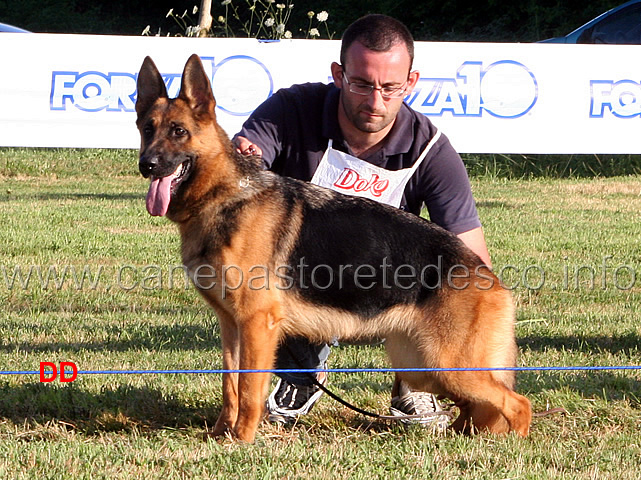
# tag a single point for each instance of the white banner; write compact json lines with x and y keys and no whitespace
{"x":80,"y":90}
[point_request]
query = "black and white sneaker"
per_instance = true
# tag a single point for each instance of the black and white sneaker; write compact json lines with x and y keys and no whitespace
{"x":421,"y":408}
{"x":288,"y":400}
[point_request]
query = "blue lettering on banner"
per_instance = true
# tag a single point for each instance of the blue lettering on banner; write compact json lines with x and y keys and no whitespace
{"x":93,"y":91}
{"x":621,"y":98}
{"x":504,"y":89}
{"x":116,"y":92}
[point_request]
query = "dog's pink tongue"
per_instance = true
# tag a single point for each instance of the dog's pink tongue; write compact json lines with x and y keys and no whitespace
{"x":159,"y":196}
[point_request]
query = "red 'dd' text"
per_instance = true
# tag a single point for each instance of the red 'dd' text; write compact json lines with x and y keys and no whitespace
{"x":68,"y":372}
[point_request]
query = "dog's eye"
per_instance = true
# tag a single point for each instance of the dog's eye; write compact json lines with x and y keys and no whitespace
{"x":180,"y":132}
{"x":148,"y":130}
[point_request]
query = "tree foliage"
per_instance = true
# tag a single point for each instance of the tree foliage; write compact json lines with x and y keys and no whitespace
{"x":447,"y":20}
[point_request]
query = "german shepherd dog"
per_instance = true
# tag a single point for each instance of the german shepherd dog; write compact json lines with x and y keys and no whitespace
{"x":279,"y":257}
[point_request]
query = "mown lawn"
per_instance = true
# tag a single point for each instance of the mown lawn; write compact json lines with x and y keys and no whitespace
{"x":569,"y":248}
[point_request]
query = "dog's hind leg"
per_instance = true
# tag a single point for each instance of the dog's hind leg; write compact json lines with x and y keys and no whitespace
{"x":515,"y":410}
{"x":484,"y":320}
{"x":492,"y":405}
{"x":485,"y":399}
{"x":494,"y":408}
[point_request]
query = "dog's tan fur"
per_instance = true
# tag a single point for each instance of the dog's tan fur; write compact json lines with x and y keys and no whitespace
{"x":231,"y":213}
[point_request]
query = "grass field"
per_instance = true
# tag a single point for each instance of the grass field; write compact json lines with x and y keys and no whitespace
{"x":570,"y":249}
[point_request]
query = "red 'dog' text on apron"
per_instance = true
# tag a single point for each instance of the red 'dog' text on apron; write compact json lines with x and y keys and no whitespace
{"x":347,"y":174}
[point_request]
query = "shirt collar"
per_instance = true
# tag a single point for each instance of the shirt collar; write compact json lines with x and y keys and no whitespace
{"x":401,"y":136}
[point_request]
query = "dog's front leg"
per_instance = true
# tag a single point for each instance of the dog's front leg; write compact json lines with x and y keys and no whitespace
{"x":231,"y":348}
{"x":259,"y":338}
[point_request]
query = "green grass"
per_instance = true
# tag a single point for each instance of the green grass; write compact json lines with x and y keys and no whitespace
{"x":552,"y":166}
{"x":85,"y":209}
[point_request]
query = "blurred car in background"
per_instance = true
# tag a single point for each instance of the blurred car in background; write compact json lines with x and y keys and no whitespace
{"x":5,"y":27}
{"x":618,"y":26}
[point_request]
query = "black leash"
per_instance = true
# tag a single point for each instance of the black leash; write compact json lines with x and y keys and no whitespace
{"x":376,"y":415}
{"x":345,"y":403}
{"x":401,"y":418}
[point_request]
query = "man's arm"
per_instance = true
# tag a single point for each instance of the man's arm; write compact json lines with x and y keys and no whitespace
{"x":475,"y":240}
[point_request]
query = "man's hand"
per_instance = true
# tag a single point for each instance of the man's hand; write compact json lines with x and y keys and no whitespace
{"x":245,"y":147}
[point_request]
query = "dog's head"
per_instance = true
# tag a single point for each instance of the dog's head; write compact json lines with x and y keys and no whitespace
{"x":174,"y":133}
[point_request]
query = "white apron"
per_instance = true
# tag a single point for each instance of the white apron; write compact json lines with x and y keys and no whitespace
{"x":347,"y":174}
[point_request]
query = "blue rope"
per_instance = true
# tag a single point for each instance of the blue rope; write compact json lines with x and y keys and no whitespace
{"x":333,"y":370}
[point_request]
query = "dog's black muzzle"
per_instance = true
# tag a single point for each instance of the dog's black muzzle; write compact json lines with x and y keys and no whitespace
{"x":149,"y":165}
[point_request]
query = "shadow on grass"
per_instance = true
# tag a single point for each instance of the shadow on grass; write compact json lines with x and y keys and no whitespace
{"x":127,"y":408}
{"x":606,"y":384}
{"x":626,"y":344}
{"x":123,"y":408}
{"x":156,"y":338}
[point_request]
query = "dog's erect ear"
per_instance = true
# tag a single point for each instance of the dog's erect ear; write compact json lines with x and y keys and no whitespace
{"x":195,"y":88}
{"x":151,"y":86}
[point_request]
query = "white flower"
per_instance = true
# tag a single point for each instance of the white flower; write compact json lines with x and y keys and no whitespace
{"x":225,"y":2}
{"x":310,"y":14}
{"x":280,"y":28}
{"x":221,"y":19}
{"x":322,"y":16}
{"x":146,"y":30}
{"x":193,"y":31}
{"x":314,"y":32}
{"x":269,"y":22}
{"x":288,"y":34}
{"x":170,"y":13}
{"x":280,"y":6}
{"x":195,"y":10}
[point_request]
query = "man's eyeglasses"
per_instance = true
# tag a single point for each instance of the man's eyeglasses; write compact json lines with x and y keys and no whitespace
{"x":367,"y":89}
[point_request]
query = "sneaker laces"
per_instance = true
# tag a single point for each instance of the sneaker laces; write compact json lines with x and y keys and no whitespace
{"x":419,"y":407}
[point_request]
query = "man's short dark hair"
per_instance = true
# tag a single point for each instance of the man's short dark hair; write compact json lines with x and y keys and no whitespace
{"x":378,"y":33}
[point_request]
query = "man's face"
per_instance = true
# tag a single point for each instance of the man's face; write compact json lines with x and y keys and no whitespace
{"x":374,"y":112}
